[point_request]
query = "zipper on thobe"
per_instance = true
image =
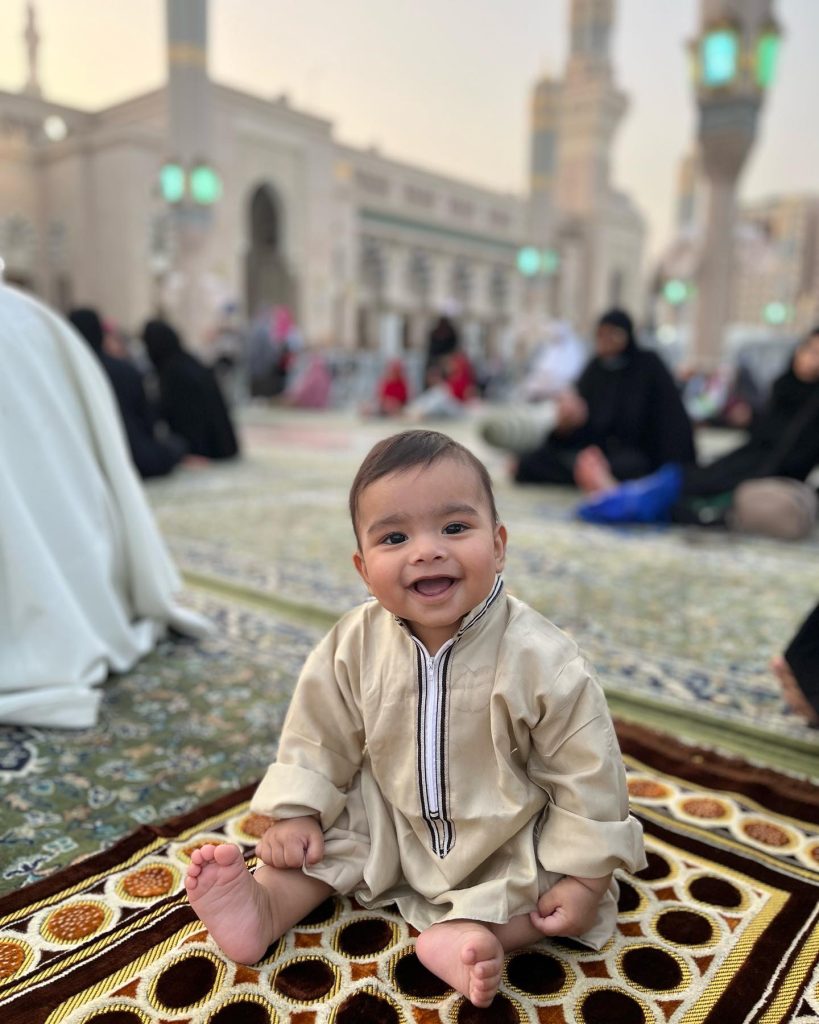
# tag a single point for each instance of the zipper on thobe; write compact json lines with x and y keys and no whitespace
{"x":432,"y":731}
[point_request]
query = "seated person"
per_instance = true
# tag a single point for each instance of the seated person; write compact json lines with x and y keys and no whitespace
{"x":783,"y":442}
{"x":625,"y":404}
{"x":190,"y":401}
{"x":86,"y":584}
{"x":153,"y":456}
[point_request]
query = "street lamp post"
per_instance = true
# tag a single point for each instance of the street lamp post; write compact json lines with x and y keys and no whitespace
{"x":734,"y":59}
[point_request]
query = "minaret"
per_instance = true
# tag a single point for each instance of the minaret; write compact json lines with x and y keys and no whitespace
{"x":188,"y":144}
{"x":734,"y":57}
{"x":32,"y":40}
{"x":189,"y":106}
{"x":591,"y":110}
{"x":545,"y":123}
{"x":591,"y":24}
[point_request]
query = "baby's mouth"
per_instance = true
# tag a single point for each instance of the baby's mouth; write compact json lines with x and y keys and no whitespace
{"x":433,"y":586}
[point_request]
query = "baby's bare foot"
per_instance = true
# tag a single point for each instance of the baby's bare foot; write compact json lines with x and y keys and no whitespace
{"x":791,"y":691}
{"x":230,"y":902}
{"x":466,"y":955}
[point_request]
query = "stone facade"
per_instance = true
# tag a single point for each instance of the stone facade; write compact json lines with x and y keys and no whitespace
{"x":366,"y":250}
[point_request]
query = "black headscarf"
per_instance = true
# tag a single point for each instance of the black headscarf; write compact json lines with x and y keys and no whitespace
{"x":162,"y":343}
{"x":88,"y":323}
{"x":633,"y":403}
{"x":191,"y":402}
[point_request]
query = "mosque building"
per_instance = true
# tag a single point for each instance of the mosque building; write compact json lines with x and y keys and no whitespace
{"x":366,"y":250}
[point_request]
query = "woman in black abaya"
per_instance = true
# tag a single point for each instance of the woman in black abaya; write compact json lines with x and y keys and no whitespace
{"x":190,"y":401}
{"x":625,"y":405}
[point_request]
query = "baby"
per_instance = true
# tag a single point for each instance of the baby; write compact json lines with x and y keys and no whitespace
{"x":446,"y":748}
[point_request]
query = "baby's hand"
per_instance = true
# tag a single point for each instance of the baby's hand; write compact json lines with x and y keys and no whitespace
{"x":570,"y":906}
{"x":291,"y":843}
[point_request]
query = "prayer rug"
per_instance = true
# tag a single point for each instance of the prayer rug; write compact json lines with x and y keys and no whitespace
{"x":722,"y":926}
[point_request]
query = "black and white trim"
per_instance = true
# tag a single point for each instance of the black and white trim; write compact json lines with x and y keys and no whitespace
{"x":432,"y":731}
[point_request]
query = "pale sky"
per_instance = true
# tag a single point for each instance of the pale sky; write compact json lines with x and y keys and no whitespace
{"x":444,"y":84}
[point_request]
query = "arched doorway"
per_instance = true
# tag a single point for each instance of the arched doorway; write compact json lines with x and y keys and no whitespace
{"x":268,"y":279}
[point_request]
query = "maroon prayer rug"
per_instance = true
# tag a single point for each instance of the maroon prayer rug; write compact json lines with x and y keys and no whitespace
{"x":721,"y":928}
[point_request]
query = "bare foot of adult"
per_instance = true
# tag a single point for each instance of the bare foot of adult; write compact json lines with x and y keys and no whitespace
{"x":791,"y":691}
{"x":466,"y":955}
{"x":231,"y":904}
{"x":592,"y":472}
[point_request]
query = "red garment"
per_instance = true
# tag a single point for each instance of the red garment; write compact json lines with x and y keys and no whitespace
{"x":461,"y":380}
{"x":392,"y":388}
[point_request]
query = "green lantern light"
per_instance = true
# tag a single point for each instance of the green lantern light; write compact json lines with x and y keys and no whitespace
{"x":776,"y":313}
{"x":206,"y":185}
{"x":675,"y":291}
{"x":172,"y":183}
{"x":719,"y":57}
{"x":767,"y":54}
{"x":528,"y":261}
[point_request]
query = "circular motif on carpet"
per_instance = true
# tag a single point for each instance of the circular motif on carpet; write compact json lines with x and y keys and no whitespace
{"x":245,"y":1008}
{"x":147,"y":883}
{"x":412,"y":979}
{"x":306,"y":979}
{"x":704,"y":809}
{"x":321,"y":915}
{"x":16,"y":955}
{"x":536,"y":973}
{"x":654,"y":970}
{"x":716,"y":892}
{"x":630,"y":900}
{"x":769,"y":835}
{"x":649,"y":789}
{"x":686,"y":928}
{"x":187,"y":981}
{"x":252,"y":827}
{"x":605,"y":1005}
{"x":367,"y":1007}
{"x":365,"y":937}
{"x":75,"y":922}
{"x":657,"y":869}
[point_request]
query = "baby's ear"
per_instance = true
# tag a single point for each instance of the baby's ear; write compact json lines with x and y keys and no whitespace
{"x":361,"y":567}
{"x":500,"y":547}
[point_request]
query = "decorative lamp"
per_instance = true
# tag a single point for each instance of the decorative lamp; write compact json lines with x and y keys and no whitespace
{"x":172,"y":182}
{"x":767,"y":54}
{"x":205,"y":185}
{"x":719,"y":55}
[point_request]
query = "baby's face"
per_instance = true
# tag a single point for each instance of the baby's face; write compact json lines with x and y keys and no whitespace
{"x":428,"y":548}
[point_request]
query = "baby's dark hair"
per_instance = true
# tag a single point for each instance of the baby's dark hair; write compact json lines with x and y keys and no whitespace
{"x":414,"y":448}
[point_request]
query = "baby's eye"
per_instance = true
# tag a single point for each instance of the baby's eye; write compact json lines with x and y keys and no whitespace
{"x":394,"y":538}
{"x":455,"y":528}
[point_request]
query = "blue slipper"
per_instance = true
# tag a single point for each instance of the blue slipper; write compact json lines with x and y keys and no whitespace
{"x":647,"y":500}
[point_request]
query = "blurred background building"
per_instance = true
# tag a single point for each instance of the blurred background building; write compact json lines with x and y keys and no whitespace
{"x":197,"y":195}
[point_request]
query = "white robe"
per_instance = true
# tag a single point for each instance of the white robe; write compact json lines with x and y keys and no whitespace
{"x":86,"y":583}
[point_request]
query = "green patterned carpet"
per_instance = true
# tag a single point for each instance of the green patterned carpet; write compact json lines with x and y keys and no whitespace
{"x":680,"y":626}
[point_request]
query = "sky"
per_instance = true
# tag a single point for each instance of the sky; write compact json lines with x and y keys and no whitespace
{"x":444,"y":84}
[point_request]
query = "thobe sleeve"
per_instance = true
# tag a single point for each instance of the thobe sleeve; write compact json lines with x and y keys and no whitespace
{"x":322,"y":742}
{"x":586,"y":829}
